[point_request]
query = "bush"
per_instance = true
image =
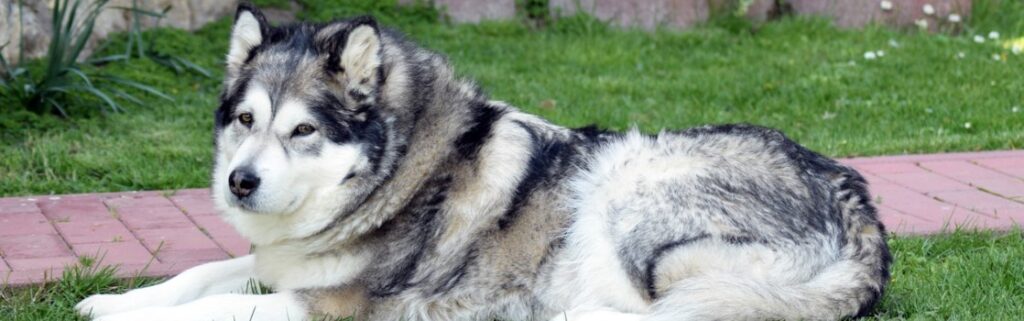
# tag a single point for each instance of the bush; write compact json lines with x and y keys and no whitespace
{"x":63,"y":80}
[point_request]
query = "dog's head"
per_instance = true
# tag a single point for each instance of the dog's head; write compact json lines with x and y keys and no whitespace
{"x":299,"y":123}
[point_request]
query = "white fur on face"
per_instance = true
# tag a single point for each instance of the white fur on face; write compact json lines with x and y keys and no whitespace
{"x":300,"y":191}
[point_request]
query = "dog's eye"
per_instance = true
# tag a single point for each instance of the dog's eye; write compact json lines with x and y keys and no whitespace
{"x":245,"y":119}
{"x":303,"y":130}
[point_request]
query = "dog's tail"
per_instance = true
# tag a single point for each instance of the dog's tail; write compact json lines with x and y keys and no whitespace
{"x":850,"y":286}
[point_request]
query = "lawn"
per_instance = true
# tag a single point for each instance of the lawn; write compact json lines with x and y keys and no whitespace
{"x":928,"y":93}
{"x":961,"y":276}
{"x":800,"y":75}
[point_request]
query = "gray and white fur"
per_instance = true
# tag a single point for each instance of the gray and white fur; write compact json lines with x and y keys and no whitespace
{"x":375,"y":182}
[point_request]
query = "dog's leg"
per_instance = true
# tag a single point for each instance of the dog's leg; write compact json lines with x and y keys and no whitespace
{"x":596,"y":314}
{"x":282,"y":306}
{"x":208,"y":279}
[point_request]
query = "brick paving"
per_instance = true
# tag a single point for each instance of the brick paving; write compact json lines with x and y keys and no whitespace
{"x":162,"y":233}
{"x":143,"y":233}
{"x":923,"y":194}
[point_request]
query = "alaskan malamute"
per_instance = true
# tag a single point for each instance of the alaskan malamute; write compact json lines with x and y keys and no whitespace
{"x":376,"y":183}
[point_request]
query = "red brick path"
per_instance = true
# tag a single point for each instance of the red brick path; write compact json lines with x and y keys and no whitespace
{"x":163,"y":233}
{"x":144,"y":233}
{"x":931,"y":193}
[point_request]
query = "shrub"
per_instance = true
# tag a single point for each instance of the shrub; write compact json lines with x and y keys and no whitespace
{"x":137,"y":44}
{"x":62,"y":79}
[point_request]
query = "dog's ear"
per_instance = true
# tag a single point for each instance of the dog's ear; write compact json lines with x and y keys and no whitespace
{"x":249,"y":31}
{"x":354,"y":54}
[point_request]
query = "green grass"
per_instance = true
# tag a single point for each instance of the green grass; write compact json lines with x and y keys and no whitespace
{"x":56,"y":300}
{"x":278,"y":4}
{"x":800,"y":75}
{"x":960,"y":276}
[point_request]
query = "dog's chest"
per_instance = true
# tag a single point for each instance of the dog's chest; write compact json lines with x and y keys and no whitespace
{"x":289,"y":268}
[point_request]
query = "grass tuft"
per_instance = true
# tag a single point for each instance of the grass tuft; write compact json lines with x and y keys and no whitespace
{"x":55,"y":300}
{"x":958,"y":276}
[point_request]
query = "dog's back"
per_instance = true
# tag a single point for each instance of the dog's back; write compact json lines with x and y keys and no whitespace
{"x":729,"y":222}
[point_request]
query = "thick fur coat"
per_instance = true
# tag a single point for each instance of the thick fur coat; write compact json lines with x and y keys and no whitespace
{"x":375,"y":182}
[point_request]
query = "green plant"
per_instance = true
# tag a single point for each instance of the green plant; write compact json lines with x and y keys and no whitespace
{"x":63,"y":79}
{"x":534,"y":12}
{"x":388,"y":12}
{"x":1006,"y":16}
{"x":137,"y":45}
{"x":277,"y":4}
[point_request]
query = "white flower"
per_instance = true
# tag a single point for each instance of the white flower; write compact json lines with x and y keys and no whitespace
{"x":886,"y":5}
{"x":996,"y":57}
{"x":1015,"y":109}
{"x":961,"y":55}
{"x":880,"y":53}
{"x":893,"y":43}
{"x":1017,"y":49}
{"x":979,"y":39}
{"x":928,"y":9}
{"x":967,"y":125}
{"x":921,"y":23}
{"x":994,"y":35}
{"x":954,"y":18}
{"x":870,"y":55}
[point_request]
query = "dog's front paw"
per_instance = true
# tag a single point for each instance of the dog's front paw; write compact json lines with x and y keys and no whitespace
{"x":106,"y":304}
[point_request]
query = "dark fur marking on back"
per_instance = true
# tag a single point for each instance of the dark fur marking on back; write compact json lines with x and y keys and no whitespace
{"x":545,"y":157}
{"x":594,"y":134}
{"x":483,"y":118}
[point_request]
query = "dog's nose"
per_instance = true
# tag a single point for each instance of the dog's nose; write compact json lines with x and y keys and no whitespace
{"x":243,"y":182}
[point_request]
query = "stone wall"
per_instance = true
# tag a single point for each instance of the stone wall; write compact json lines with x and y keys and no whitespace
{"x":896,"y":13}
{"x":681,"y":14}
{"x":470,"y":11}
{"x":646,"y":14}
{"x":185,"y":14}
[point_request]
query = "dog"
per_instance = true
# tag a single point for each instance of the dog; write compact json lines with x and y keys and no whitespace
{"x":375,"y":182}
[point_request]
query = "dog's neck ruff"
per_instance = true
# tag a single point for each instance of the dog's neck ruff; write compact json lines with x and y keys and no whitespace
{"x":408,"y":155}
